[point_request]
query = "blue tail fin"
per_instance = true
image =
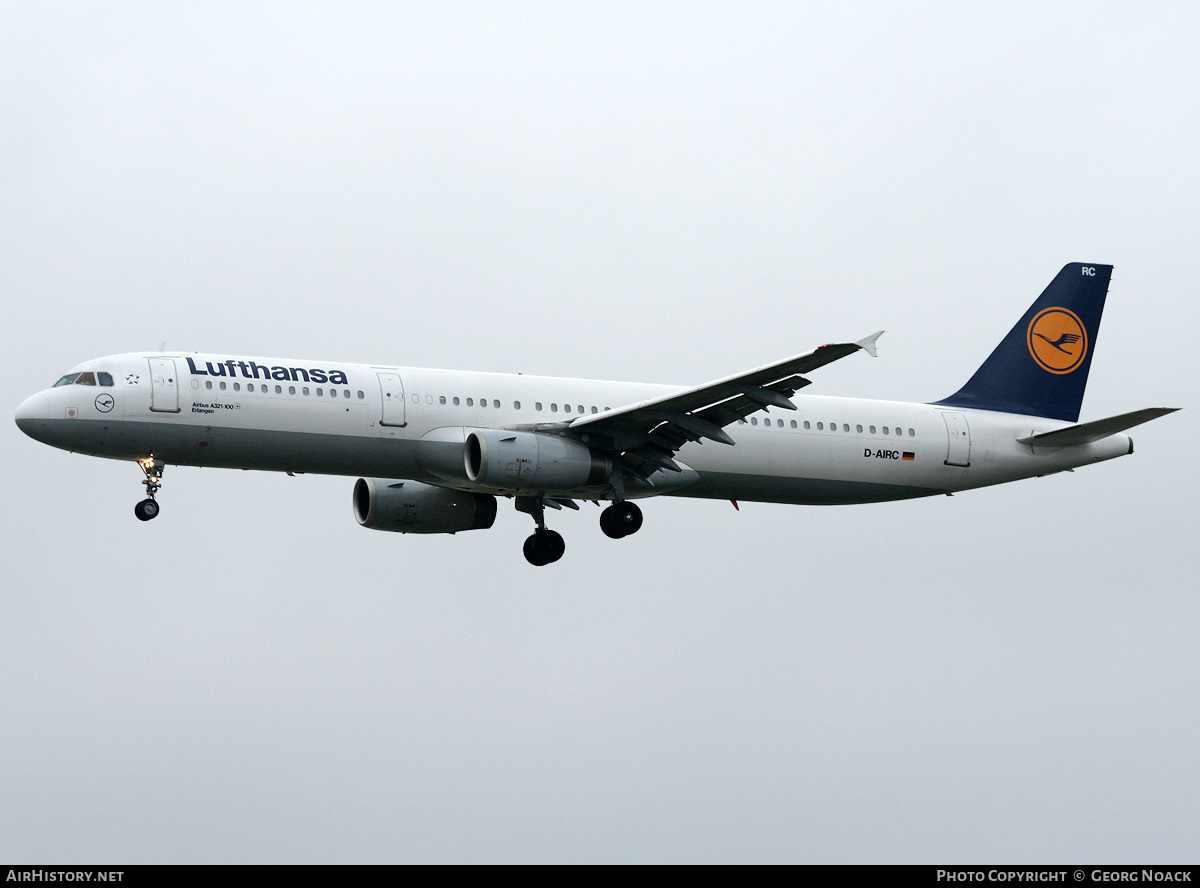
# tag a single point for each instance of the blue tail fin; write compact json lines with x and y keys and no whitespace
{"x":1041,"y":367}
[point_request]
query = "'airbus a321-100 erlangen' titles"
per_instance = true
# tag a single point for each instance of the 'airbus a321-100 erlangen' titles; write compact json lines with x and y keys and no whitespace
{"x":437,"y":447}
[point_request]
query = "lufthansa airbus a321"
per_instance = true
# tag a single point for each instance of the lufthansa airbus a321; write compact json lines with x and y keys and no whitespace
{"x":437,"y":447}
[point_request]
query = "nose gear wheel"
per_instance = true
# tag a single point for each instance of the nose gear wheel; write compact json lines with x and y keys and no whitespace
{"x":149,"y":508}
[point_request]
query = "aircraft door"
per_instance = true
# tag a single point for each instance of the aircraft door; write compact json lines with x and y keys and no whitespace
{"x":164,"y":386}
{"x":958,"y":452}
{"x":392,"y":389}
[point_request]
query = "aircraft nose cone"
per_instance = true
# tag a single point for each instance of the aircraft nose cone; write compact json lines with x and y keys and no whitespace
{"x":31,"y":411}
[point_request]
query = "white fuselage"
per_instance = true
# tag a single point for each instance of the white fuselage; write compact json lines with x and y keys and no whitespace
{"x":406,"y":423}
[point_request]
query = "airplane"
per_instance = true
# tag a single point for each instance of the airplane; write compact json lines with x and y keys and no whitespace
{"x":435,"y":448}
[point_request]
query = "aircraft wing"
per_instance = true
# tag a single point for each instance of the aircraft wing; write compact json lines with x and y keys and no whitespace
{"x":647,"y":434}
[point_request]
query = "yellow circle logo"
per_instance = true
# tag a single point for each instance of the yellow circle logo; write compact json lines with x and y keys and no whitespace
{"x":1057,"y":340}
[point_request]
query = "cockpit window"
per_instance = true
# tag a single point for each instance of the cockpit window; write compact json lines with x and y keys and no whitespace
{"x":85,"y":378}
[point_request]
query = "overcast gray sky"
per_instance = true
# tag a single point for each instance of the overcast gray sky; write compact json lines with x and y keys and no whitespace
{"x":660,"y":192}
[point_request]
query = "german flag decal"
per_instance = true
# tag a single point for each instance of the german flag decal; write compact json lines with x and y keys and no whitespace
{"x":908,"y":454}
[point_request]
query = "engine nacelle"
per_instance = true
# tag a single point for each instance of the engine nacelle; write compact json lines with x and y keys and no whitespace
{"x":413,"y":507}
{"x":527,"y":460}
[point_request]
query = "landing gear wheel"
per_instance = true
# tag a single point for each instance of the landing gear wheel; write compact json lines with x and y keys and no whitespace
{"x":621,"y":520}
{"x":146,"y":509}
{"x":544,"y":547}
{"x":610,"y":523}
{"x":153,"y":469}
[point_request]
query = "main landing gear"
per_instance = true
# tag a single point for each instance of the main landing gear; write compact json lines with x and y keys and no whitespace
{"x":148,"y":508}
{"x":620,"y":520}
{"x":543,"y":546}
{"x":546,"y":546}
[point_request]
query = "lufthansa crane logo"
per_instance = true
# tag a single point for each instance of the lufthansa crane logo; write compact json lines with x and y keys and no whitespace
{"x":1057,"y":340}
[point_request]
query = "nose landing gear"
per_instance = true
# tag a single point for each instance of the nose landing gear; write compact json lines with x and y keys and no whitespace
{"x":148,"y":508}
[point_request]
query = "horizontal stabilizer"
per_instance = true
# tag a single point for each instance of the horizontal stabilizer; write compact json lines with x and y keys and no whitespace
{"x":1087,"y":432}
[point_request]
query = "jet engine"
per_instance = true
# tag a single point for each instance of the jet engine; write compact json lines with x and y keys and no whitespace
{"x":527,"y":460}
{"x":413,"y":507}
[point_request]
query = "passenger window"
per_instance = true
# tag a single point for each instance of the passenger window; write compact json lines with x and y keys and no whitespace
{"x":361,"y":396}
{"x":279,"y":390}
{"x":820,"y":427}
{"x":793,"y":423}
{"x":845,"y":427}
{"x":872,"y":429}
{"x":537,"y":405}
{"x":292,"y":390}
{"x":858,"y":428}
{"x":345,"y":393}
{"x":554,"y":408}
{"x":208,"y":383}
{"x":456,"y":402}
{"x":470,"y":402}
{"x":885,"y":430}
{"x":222,"y":385}
{"x":806,"y":424}
{"x":88,"y":378}
{"x":566,"y":408}
{"x":320,"y":393}
{"x":442,"y":399}
{"x":105,"y":378}
{"x":483,"y":402}
{"x":594,"y":410}
{"x":911,"y":433}
{"x":580,"y":409}
{"x":516,"y":405}
{"x":305,"y":390}
{"x":754,"y":420}
{"x":237,"y":386}
{"x":496,"y":404}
